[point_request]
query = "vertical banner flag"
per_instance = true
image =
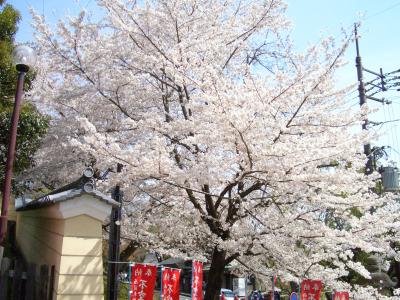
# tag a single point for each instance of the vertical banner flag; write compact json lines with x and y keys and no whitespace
{"x":274,"y":279}
{"x":143,"y":280}
{"x":170,"y":284}
{"x":197,"y":280}
{"x":311,"y":289}
{"x":341,"y":296}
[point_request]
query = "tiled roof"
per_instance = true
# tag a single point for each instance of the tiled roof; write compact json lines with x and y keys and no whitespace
{"x":23,"y":203}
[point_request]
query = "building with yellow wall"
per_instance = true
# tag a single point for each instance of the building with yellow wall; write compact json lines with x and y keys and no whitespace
{"x":64,"y":230}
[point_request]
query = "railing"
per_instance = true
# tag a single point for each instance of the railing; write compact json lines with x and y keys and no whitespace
{"x":19,"y":281}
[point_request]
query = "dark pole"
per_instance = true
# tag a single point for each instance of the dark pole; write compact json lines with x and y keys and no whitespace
{"x":114,"y":244}
{"x":361,"y":94}
{"x":22,"y":69}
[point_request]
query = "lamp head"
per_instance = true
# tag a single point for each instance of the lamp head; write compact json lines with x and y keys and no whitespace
{"x":24,"y":57}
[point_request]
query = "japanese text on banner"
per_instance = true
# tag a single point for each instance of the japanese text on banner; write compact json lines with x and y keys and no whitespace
{"x":143,"y":280}
{"x":341,"y":296}
{"x":197,"y":281}
{"x":311,"y":289}
{"x":170,"y":284}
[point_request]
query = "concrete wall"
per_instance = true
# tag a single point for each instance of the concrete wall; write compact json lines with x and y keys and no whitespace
{"x":73,"y":245}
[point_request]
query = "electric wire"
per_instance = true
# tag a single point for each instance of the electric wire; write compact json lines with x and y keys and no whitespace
{"x":382,"y":11}
{"x":394,"y":126}
{"x":393,"y":99}
{"x":391,"y":137}
{"x":398,"y":153}
{"x":87,"y":3}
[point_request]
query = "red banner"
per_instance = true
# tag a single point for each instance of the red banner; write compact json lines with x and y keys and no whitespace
{"x":341,"y":296}
{"x":143,"y":280}
{"x":311,"y":289}
{"x":170,"y":284}
{"x":197,"y":280}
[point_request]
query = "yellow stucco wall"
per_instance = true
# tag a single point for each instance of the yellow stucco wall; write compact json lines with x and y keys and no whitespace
{"x":40,"y":239}
{"x":81,"y":268}
{"x":73,"y":246}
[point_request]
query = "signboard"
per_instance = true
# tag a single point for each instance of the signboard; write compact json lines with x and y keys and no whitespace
{"x":311,"y":289}
{"x":293,"y":296}
{"x":170,"y":284}
{"x":143,"y":280}
{"x":341,"y":296}
{"x":197,"y":280}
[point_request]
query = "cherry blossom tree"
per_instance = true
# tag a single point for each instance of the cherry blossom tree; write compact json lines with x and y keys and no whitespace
{"x":237,"y":149}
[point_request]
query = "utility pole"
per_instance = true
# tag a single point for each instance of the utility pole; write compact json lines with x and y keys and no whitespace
{"x":114,"y":243}
{"x":370,"y":165}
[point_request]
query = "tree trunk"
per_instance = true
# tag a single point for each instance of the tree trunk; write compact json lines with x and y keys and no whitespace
{"x":128,"y":251}
{"x":397,"y":272}
{"x":216,"y":275}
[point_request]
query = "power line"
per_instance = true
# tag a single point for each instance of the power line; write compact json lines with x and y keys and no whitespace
{"x":394,"y":98}
{"x":394,"y":129}
{"x":87,"y":3}
{"x":382,"y":11}
{"x":394,"y":150}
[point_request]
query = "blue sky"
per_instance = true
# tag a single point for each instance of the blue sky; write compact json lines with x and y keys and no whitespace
{"x":379,"y":48}
{"x":379,"y":43}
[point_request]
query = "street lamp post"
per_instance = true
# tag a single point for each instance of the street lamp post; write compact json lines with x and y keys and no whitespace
{"x":24,"y":57}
